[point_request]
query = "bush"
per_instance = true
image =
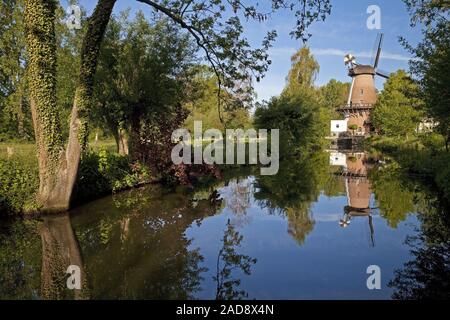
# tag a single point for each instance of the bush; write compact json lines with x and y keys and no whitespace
{"x":301,"y":120}
{"x":99,"y":174}
{"x":442,"y":170}
{"x":433,"y":141}
{"x":105,"y":172}
{"x":18,"y":184}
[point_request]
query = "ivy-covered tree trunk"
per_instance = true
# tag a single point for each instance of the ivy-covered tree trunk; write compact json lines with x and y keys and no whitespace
{"x":58,"y":166}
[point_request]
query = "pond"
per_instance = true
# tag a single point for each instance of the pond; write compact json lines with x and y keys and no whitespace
{"x":309,"y":232}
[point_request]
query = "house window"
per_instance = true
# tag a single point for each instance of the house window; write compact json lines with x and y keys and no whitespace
{"x":361,"y":92}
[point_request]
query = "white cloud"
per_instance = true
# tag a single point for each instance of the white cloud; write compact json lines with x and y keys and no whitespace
{"x":288,"y":51}
{"x":361,"y":54}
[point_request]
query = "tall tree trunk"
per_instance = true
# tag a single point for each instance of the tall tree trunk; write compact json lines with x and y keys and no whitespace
{"x":121,"y":138}
{"x":58,"y":166}
{"x":135,"y":136}
{"x":123,"y":141}
{"x":447,"y":142}
{"x":21,"y":116}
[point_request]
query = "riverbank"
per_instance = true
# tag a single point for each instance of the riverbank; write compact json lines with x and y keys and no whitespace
{"x":423,"y":156}
{"x":101,"y":172}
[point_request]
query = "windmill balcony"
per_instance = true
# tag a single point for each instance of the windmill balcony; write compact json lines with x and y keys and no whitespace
{"x":354,"y":107}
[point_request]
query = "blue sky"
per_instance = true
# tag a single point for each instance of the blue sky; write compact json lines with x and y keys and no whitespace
{"x":344,"y":31}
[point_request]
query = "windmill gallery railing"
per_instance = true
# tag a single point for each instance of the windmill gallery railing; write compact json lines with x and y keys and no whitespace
{"x":355,"y":107}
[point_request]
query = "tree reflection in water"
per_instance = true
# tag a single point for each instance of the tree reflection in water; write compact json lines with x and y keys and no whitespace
{"x":427,"y":276}
{"x":136,"y":246}
{"x":37,"y":269}
{"x":238,"y":199}
{"x":60,"y":250}
{"x":293,"y":190}
{"x":228,"y":260}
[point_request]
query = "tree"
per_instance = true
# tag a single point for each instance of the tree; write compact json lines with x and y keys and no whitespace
{"x":334,"y":94}
{"x":13,"y":96}
{"x":144,"y":71}
{"x":398,"y":109}
{"x":298,"y":112}
{"x":203,"y":101}
{"x":303,"y":72}
{"x":433,"y":59}
{"x":58,"y":165}
{"x":299,"y":119}
{"x":14,"y":102}
{"x":229,"y":54}
{"x":110,"y":113}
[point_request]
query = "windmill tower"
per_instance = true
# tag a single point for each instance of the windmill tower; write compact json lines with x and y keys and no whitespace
{"x":362,"y":96}
{"x":358,"y":189}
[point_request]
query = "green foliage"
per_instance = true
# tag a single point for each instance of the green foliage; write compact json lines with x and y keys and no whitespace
{"x":301,"y":120}
{"x":39,"y":21}
{"x":299,"y":113}
{"x":398,"y":109}
{"x":144,"y":73}
{"x":100,"y":173}
{"x":432,"y":164}
{"x":334,"y":94}
{"x":302,"y":74}
{"x":105,"y":172}
{"x":203,"y":105}
{"x":15,"y":116}
{"x":432,"y":141}
{"x":54,"y":86}
{"x":18,"y":184}
{"x":433,"y":59}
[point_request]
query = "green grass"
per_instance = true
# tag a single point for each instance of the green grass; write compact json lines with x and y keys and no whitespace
{"x":28,"y":149}
{"x":108,"y":145}
{"x":19,"y":149}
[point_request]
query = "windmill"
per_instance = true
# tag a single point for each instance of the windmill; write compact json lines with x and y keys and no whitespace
{"x":358,"y":190}
{"x":362,"y":96}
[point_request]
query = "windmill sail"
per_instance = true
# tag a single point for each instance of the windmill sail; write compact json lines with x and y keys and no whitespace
{"x":382,"y":73}
{"x":377,"y":57}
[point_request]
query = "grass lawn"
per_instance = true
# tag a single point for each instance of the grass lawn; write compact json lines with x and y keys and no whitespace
{"x":27,"y":149}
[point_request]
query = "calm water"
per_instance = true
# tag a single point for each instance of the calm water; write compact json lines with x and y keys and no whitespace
{"x":308,"y":233}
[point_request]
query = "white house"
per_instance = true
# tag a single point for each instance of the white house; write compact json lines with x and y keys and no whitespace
{"x":338,"y":126}
{"x":338,"y":159}
{"x":426,"y":125}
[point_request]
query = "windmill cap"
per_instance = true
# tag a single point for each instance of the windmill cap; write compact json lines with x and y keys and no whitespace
{"x":362,"y":69}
